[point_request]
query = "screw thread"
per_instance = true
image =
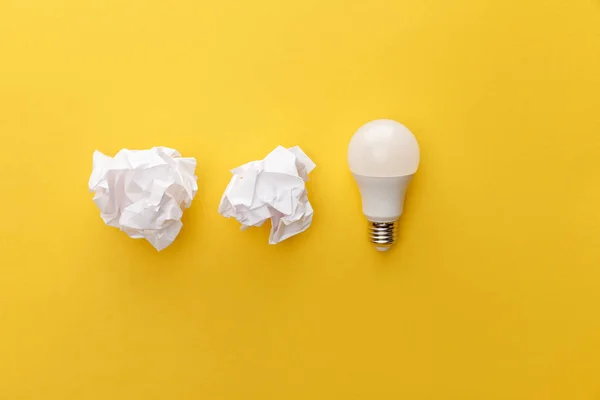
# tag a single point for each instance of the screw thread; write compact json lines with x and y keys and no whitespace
{"x":383,"y":234}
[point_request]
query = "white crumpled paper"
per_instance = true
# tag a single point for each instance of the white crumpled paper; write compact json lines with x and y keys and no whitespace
{"x":273,"y":188}
{"x":144,"y":192}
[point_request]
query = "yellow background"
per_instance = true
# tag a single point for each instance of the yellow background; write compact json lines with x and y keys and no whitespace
{"x":492,"y":293}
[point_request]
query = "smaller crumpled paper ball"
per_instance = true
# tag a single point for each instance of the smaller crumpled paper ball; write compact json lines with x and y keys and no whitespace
{"x":271,"y":189}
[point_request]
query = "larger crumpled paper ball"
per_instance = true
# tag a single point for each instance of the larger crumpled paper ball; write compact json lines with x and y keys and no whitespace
{"x":144,"y":192}
{"x":273,"y":188}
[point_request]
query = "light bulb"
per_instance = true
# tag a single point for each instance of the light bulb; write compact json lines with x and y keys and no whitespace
{"x":383,"y":155}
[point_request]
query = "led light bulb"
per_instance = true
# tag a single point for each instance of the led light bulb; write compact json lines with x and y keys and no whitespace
{"x":383,"y":155}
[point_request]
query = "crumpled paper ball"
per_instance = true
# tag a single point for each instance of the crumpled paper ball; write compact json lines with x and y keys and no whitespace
{"x":144,"y":192}
{"x":273,"y":188}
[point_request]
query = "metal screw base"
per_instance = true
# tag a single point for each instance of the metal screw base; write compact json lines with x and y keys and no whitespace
{"x":383,"y":234}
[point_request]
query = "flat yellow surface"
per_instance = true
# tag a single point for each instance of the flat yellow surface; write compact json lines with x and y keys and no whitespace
{"x":492,"y":293}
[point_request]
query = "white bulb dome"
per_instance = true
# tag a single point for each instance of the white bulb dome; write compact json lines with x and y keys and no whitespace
{"x":383,"y":148}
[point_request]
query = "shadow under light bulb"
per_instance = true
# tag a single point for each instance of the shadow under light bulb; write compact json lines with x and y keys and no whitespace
{"x":383,"y":155}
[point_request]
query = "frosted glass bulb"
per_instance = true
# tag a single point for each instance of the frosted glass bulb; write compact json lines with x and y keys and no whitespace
{"x":383,"y":155}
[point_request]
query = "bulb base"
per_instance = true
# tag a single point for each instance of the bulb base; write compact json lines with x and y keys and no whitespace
{"x":383,"y":234}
